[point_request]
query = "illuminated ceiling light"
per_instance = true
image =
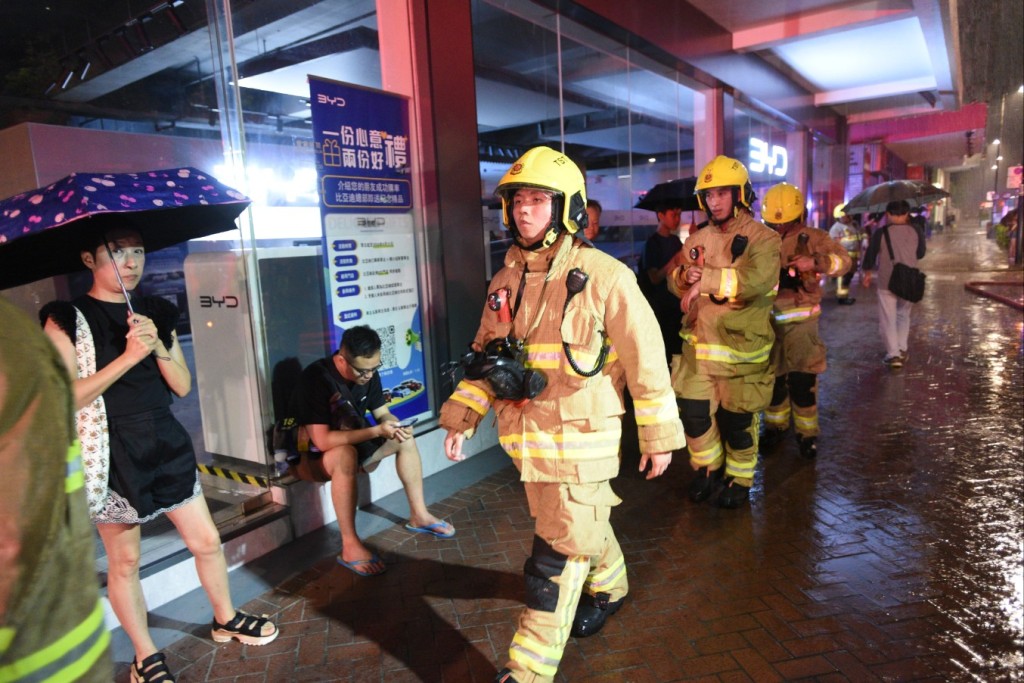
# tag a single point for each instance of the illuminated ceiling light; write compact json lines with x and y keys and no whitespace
{"x":999,"y":158}
{"x":996,"y":141}
{"x":1020,"y":89}
{"x":995,"y":167}
{"x":651,"y":160}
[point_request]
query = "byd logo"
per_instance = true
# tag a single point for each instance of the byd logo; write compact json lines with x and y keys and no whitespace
{"x":774,"y":160}
{"x":206,"y":301}
{"x":330,"y":100}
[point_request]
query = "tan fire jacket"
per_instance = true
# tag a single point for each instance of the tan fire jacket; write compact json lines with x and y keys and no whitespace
{"x":729,"y":326}
{"x":571,"y":431}
{"x":799,"y":295}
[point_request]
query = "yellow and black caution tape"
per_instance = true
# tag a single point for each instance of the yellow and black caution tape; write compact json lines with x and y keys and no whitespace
{"x":225,"y":473}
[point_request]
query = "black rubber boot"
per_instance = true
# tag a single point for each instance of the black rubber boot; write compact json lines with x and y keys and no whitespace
{"x":808,"y":446}
{"x":733,"y":495}
{"x":703,"y":484}
{"x":770,"y":439}
{"x":592,"y":612}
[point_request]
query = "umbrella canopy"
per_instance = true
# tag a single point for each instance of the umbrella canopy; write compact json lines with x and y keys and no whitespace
{"x":875,"y":198}
{"x":679,"y":193}
{"x":42,"y":230}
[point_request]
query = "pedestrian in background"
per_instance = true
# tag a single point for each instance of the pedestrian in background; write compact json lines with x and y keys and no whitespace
{"x":908,"y":245}
{"x":657,"y":262}
{"x":846,"y":232}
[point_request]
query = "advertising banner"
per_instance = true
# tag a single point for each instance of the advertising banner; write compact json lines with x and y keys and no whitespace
{"x":361,"y":140}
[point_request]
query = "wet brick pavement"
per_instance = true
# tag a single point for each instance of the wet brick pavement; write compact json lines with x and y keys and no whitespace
{"x":895,"y":556}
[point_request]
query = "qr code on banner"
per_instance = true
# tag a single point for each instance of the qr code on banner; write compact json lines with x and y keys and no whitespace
{"x":387,"y":346}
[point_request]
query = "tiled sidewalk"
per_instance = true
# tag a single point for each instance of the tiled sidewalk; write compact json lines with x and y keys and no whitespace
{"x":895,"y":556}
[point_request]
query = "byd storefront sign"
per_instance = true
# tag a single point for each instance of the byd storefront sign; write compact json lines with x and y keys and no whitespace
{"x":767,"y":158}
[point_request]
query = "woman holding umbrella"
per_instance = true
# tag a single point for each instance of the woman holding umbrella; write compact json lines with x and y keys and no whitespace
{"x":139,"y":459}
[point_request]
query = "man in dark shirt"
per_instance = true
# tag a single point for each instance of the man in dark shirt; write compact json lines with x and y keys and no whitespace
{"x":659,"y":260}
{"x":331,"y":400}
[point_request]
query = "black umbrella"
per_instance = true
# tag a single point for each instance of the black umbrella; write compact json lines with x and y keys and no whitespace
{"x":674,"y":194}
{"x":42,"y":230}
{"x":874,"y":199}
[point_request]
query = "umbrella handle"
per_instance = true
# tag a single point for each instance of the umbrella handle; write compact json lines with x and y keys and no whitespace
{"x":117,"y":274}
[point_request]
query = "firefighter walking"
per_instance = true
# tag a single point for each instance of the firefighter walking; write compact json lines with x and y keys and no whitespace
{"x":848,"y":234}
{"x":565,"y":328}
{"x":798,"y":355}
{"x":727,"y":282}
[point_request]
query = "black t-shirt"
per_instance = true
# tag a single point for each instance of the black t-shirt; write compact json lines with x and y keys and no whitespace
{"x":658,"y":251}
{"x":311,"y":402}
{"x":142,"y":388}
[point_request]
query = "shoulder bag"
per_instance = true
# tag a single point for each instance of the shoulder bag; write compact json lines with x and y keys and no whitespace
{"x":906,"y":282}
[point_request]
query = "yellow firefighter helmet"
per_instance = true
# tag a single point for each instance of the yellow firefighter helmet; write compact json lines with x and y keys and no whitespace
{"x":838,"y":212}
{"x":782,"y":203}
{"x":542,"y":168}
{"x":726,"y":172}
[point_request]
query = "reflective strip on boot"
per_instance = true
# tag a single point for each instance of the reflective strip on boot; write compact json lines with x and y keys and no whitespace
{"x":777,"y":417}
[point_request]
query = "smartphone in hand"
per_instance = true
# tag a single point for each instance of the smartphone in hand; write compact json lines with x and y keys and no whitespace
{"x":408,"y":422}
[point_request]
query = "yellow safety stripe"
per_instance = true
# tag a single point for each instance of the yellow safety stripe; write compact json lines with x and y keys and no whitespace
{"x":473,"y":397}
{"x":653,"y":411}
{"x":574,"y":446}
{"x":74,"y":477}
{"x":67,"y":658}
{"x":777,"y":418}
{"x":797,"y":314}
{"x":805,"y":422}
{"x":725,"y":354}
{"x":705,"y":457}
{"x":740,"y":471}
{"x":835,"y":264}
{"x":549,"y":357}
{"x":601,"y":580}
{"x":729,"y":285}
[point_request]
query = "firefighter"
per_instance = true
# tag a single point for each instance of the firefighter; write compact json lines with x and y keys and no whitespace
{"x":565,"y":328}
{"x":798,"y":355}
{"x":846,"y":231}
{"x":51,"y":617}
{"x":727,"y":282}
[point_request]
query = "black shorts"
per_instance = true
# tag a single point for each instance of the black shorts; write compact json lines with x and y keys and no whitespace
{"x":152,"y":463}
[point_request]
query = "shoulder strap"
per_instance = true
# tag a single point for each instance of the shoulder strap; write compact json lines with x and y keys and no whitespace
{"x":888,"y":244}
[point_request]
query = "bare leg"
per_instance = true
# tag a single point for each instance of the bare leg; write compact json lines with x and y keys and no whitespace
{"x":341,"y":465}
{"x":200,"y":534}
{"x":124,"y":590}
{"x":410,"y":472}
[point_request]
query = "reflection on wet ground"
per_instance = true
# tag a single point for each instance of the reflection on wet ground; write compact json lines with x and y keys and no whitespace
{"x":895,"y":556}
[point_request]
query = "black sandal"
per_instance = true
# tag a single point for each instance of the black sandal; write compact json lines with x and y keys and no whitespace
{"x":245,"y":628}
{"x":152,"y":669}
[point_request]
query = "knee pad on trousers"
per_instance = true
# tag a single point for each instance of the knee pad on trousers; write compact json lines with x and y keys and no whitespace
{"x":779,"y":391}
{"x":540,"y":567}
{"x":735,"y":427}
{"x":801,"y":386}
{"x":696,"y":417}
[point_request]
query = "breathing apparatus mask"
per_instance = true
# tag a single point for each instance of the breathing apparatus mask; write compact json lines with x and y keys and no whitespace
{"x":501,"y":364}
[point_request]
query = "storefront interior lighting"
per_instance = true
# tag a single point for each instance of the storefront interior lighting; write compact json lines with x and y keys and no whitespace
{"x":999,"y":158}
{"x":996,"y":141}
{"x":995,"y":167}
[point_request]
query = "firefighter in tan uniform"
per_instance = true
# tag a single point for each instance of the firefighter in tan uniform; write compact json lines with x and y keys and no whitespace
{"x":565,"y":328}
{"x":851,"y":238}
{"x":727,"y":279}
{"x":51,"y":618}
{"x":798,"y":355}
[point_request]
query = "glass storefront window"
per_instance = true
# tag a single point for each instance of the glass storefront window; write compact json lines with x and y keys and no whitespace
{"x":627,"y":121}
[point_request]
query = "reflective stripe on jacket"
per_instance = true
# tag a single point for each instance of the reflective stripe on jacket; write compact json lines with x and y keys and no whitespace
{"x":830,"y":259}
